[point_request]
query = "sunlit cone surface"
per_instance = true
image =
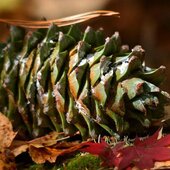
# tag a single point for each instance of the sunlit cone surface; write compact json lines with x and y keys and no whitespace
{"x":65,"y":80}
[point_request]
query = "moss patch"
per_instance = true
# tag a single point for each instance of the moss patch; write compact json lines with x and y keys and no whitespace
{"x":78,"y":162}
{"x":84,"y":162}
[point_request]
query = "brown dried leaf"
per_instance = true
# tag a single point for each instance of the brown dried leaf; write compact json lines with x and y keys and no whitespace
{"x":41,"y":155}
{"x":75,"y":147}
{"x":157,"y":166}
{"x":66,"y":145}
{"x":46,"y":148}
{"x":7,"y":161}
{"x":50,"y":139}
{"x":6,"y":132}
{"x":19,"y":147}
{"x":47,"y":140}
{"x":50,"y":154}
{"x":162,"y":165}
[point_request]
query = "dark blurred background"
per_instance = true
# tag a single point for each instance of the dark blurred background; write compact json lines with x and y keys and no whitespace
{"x":144,"y":22}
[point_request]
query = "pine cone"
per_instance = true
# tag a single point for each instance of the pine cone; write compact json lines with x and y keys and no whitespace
{"x":64,"y":80}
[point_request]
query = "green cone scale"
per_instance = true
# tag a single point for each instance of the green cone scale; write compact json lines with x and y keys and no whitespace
{"x":65,"y":80}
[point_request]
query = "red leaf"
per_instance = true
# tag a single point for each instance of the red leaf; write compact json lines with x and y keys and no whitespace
{"x":144,"y":153}
{"x":165,"y":141}
{"x":145,"y":162}
{"x":149,"y":140}
{"x":105,"y":152}
{"x":96,"y":148}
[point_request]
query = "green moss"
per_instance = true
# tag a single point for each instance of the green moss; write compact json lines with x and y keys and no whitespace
{"x":84,"y":162}
{"x":78,"y":162}
{"x":37,"y":167}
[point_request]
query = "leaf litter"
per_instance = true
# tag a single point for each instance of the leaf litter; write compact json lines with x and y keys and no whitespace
{"x":152,"y":152}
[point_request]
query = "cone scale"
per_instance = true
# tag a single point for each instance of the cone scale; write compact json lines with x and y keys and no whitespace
{"x":61,"y":79}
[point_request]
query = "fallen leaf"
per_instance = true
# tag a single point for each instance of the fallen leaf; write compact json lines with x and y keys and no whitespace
{"x":6,"y":132}
{"x":104,"y":151}
{"x":47,"y":140}
{"x":46,"y":148}
{"x":65,"y":144}
{"x":50,"y":154}
{"x":50,"y":139}
{"x":7,"y":135}
{"x":7,"y":160}
{"x":97,"y":148}
{"x":41,"y":155}
{"x":162,"y":165}
{"x":19,"y":147}
{"x":144,"y":153}
{"x":75,"y":147}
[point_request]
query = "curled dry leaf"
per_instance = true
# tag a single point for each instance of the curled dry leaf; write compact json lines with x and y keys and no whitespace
{"x":52,"y":138}
{"x":50,"y":154}
{"x":41,"y":155}
{"x":7,"y":134}
{"x":19,"y":147}
{"x":46,"y":148}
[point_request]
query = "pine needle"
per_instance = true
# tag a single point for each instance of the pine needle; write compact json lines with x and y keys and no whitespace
{"x":62,"y":21}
